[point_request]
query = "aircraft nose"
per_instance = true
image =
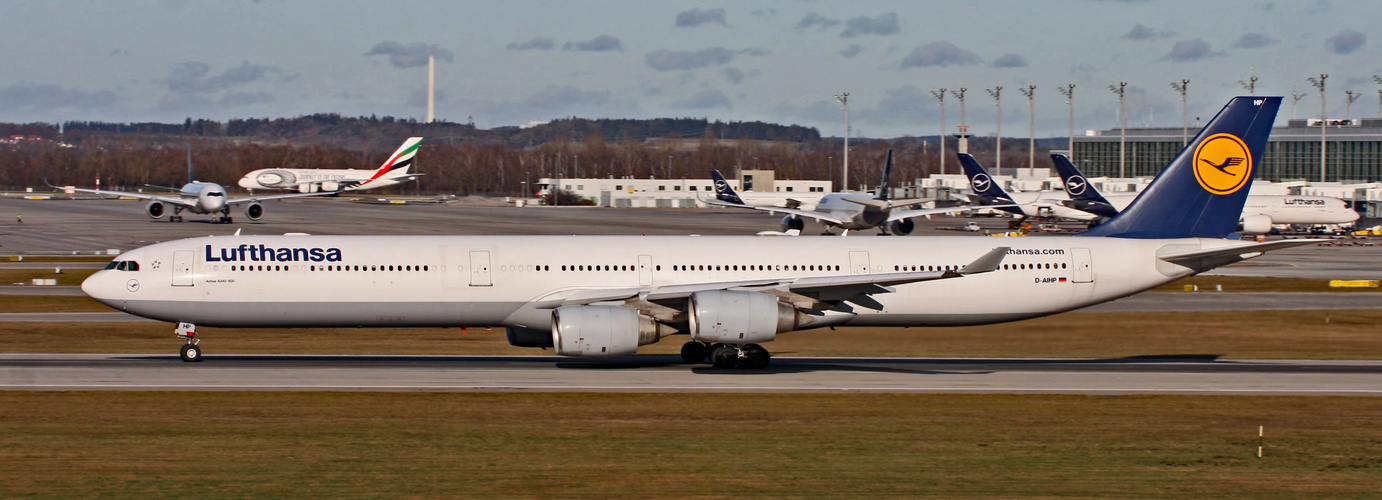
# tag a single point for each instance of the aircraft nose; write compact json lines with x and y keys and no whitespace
{"x":248,"y":183}
{"x":94,"y":286}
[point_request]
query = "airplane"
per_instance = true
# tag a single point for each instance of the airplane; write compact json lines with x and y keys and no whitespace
{"x":1023,"y":204}
{"x":1260,"y":212}
{"x":600,"y":296}
{"x":311,"y":180}
{"x":196,"y":197}
{"x":725,"y":193}
{"x":843,"y":210}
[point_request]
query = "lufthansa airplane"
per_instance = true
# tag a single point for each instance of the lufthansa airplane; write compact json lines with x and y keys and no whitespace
{"x":843,"y":210}
{"x":311,"y":180}
{"x":1260,"y":212}
{"x":196,"y":197}
{"x":608,"y":295}
{"x":989,"y":194}
{"x":727,"y":194}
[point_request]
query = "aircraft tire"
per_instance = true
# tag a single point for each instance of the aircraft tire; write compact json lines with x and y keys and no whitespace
{"x":725,"y":357}
{"x":191,"y":353}
{"x":756,"y":358}
{"x":694,"y":352}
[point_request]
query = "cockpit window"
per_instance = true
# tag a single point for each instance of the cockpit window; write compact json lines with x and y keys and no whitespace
{"x":213,"y":193}
{"x":120,"y":266}
{"x":132,"y":266}
{"x":112,"y":264}
{"x":123,"y":265}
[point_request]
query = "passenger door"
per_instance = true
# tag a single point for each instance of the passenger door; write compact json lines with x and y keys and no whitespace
{"x":1084,"y":266}
{"x":182,"y":268}
{"x":479,"y":268}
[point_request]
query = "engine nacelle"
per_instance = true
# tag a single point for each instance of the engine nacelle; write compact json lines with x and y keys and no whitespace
{"x":1257,"y":224}
{"x":155,"y":209}
{"x":901,"y":227}
{"x":254,"y":211}
{"x":741,"y":317}
{"x":603,"y":330}
{"x":330,"y":186}
{"x":307,"y":187}
{"x":791,"y":222}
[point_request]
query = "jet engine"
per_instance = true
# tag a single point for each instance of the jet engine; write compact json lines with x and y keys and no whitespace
{"x":155,"y":209}
{"x":741,"y":317}
{"x":901,"y":227}
{"x":330,"y":186}
{"x":307,"y":187}
{"x":603,"y":330}
{"x":527,"y":337}
{"x":1257,"y":224}
{"x":791,"y":222}
{"x":254,"y":211}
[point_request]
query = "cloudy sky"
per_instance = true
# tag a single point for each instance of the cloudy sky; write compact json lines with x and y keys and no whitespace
{"x":504,"y":63}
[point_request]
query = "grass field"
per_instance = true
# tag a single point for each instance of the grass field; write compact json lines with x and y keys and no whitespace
{"x":1334,"y":334}
{"x":1258,"y":284}
{"x":69,"y":277}
{"x":572,"y":445}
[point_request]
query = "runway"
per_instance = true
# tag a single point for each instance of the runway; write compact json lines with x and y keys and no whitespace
{"x":157,"y":372}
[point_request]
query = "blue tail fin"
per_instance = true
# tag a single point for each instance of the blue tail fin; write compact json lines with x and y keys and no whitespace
{"x":722,"y":190}
{"x":887,"y":172}
{"x":1201,"y":193}
{"x":983,"y":185}
{"x":1083,"y":196}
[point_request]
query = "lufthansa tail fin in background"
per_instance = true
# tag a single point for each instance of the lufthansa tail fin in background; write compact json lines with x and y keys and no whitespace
{"x":1083,"y":196}
{"x":722,"y":190}
{"x":883,"y":187}
{"x":983,"y":185}
{"x":1201,"y":193}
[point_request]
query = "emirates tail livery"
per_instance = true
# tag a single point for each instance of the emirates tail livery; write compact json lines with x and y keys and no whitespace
{"x":608,"y":295}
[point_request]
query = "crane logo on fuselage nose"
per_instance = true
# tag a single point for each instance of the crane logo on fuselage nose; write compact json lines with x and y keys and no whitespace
{"x":981,"y":183}
{"x":1222,"y":164}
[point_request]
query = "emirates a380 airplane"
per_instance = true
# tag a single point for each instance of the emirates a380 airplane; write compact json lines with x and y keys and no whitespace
{"x":608,"y":295}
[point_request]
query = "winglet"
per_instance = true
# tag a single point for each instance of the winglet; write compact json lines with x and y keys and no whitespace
{"x":722,"y":190}
{"x":988,"y":262}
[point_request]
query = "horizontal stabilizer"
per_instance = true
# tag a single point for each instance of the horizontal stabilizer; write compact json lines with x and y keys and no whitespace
{"x":1210,"y":258}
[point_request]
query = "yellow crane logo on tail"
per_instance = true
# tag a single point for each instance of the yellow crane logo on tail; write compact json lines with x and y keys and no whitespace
{"x":1222,"y":164}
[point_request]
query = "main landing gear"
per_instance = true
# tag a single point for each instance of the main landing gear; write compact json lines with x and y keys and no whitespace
{"x":191,"y":352}
{"x":726,"y":356}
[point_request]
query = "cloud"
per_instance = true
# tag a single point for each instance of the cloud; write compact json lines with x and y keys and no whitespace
{"x":235,"y":99}
{"x":1253,"y":41}
{"x":117,"y":52}
{"x":709,"y":99}
{"x":734,"y":75}
{"x":765,"y":13}
{"x":885,"y":24}
{"x":559,"y":98}
{"x":697,"y":17}
{"x":1190,"y":51}
{"x":537,"y":43}
{"x":853,"y":50}
{"x":1143,"y":32}
{"x":411,"y":55}
{"x":814,"y":19}
{"x":194,"y":76}
{"x":668,"y":60}
{"x":602,"y":43}
{"x":1010,"y":60}
{"x":48,"y":97}
{"x":940,"y":53}
{"x":1346,"y":42}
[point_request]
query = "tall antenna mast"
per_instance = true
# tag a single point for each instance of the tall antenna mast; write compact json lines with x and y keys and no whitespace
{"x":431,"y":87}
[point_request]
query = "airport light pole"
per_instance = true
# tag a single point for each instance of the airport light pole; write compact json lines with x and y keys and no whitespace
{"x":997,"y":93}
{"x":1295,"y":98}
{"x":1031,"y":131}
{"x":1121,"y":90}
{"x":1069,"y":92}
{"x":843,"y":97}
{"x":1250,"y":85}
{"x":1184,"y":111}
{"x":1324,"y":128}
{"x":1378,"y":79}
{"x":940,"y":96}
{"x":964,"y":121}
{"x":1348,"y":108}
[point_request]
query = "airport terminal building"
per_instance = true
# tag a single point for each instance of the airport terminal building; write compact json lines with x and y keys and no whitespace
{"x":673,"y":193}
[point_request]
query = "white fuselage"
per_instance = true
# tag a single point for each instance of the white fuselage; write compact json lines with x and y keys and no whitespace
{"x":856,"y":216}
{"x":1047,"y":204}
{"x":206,"y":197}
{"x":379,"y":281}
{"x":1283,"y":209}
{"x":807,"y":201}
{"x":306,"y":180}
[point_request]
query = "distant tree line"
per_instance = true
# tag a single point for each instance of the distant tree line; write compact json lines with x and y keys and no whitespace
{"x":459,"y":158}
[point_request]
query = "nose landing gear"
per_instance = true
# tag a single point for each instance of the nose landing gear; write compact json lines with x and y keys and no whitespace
{"x":191,"y":352}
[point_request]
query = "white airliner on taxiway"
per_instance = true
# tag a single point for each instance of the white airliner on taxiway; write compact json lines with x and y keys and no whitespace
{"x":312,"y":180}
{"x":607,"y":295}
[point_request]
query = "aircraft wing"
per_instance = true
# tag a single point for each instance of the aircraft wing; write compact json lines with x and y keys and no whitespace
{"x":907,"y":214}
{"x":173,"y":200}
{"x":252,"y":199}
{"x":820,"y":216}
{"x":815,"y":292}
{"x":1210,"y":258}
